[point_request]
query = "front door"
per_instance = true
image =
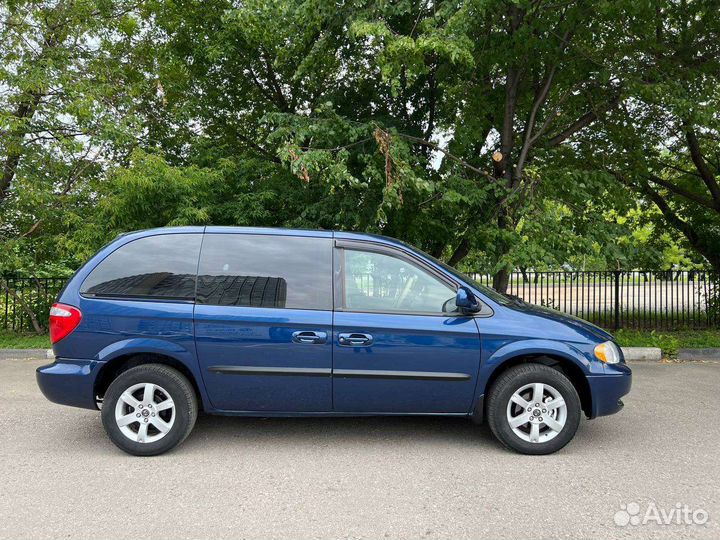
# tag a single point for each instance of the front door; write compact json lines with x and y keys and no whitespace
{"x":397,"y":345}
{"x":263,"y":321}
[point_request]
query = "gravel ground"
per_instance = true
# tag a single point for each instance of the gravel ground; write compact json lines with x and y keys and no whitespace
{"x":368,"y":477}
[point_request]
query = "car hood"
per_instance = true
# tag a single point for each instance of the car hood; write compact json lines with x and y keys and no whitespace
{"x":575,"y":323}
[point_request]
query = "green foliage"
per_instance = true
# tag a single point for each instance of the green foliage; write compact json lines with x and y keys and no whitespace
{"x":661,"y":142}
{"x":145,"y":194}
{"x":369,"y":115}
{"x":64,"y":110}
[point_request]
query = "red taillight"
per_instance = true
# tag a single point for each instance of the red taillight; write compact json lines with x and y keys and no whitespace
{"x":63,"y":320}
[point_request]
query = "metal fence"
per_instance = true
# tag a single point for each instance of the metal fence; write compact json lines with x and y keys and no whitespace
{"x":651,"y":299}
{"x":20,"y":296}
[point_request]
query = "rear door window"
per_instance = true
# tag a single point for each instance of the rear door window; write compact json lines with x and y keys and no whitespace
{"x":267,"y":271}
{"x":154,"y":267}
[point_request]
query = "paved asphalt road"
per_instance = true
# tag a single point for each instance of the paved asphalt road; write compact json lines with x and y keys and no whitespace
{"x":393,"y":477}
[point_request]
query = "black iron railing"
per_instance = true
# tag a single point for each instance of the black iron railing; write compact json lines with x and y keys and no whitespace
{"x":651,"y":299}
{"x":23,"y":299}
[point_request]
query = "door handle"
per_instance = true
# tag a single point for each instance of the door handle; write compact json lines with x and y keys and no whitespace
{"x":355,"y":339}
{"x":308,"y":336}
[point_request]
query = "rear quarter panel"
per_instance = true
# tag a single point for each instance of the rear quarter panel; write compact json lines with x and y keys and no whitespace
{"x":111,"y":328}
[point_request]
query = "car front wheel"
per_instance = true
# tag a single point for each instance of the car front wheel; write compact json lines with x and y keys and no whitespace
{"x":149,"y":409}
{"x":533,"y":409}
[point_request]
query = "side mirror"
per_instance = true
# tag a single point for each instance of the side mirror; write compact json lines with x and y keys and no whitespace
{"x":465,"y":300}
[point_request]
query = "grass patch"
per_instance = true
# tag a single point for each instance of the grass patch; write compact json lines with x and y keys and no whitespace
{"x":669,"y":341}
{"x":13,"y":340}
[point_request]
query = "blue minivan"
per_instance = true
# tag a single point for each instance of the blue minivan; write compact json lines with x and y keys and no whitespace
{"x":163,"y":323}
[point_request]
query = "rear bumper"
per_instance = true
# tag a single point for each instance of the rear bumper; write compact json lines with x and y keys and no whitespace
{"x":69,"y":382}
{"x":608,"y":389}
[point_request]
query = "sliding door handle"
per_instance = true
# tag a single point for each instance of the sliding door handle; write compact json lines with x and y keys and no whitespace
{"x":306,"y":336}
{"x":355,"y":339}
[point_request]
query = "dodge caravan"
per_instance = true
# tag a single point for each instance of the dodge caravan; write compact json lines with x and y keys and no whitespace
{"x":164,"y":323}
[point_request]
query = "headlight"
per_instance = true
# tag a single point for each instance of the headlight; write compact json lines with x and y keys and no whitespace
{"x":608,"y":352}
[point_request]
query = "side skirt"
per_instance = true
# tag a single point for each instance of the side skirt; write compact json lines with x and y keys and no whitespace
{"x":314,"y":414}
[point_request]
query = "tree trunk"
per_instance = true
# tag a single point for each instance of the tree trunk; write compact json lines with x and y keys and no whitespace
{"x":501,"y":278}
{"x":24,"y":306}
{"x":698,"y":242}
{"x":461,"y":251}
{"x":713,"y":258}
{"x":25,"y":110}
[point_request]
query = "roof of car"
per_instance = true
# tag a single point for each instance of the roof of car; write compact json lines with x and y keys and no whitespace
{"x":216,"y":229}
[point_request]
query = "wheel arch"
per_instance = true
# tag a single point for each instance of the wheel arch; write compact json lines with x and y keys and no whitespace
{"x":121,"y":363}
{"x":566,"y":361}
{"x":569,"y":368}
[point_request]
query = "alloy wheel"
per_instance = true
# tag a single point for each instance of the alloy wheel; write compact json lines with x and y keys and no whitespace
{"x":536,"y":412}
{"x":145,"y":412}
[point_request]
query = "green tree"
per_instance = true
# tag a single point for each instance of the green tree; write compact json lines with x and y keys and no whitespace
{"x":663,"y":143}
{"x":65,"y":112}
{"x":487,"y":132}
{"x":387,"y":115}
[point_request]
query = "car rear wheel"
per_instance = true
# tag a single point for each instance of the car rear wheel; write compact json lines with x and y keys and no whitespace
{"x":533,"y":409}
{"x":149,"y":409}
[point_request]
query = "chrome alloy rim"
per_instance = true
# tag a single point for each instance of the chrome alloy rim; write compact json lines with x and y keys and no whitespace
{"x":536,"y":412}
{"x":145,"y":413}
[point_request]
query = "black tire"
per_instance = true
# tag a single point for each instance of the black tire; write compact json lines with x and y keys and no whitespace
{"x":513,"y":380}
{"x":178,"y":388}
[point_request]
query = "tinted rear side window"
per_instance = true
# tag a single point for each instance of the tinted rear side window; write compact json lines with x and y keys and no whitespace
{"x":161,"y":266}
{"x":292,"y":272}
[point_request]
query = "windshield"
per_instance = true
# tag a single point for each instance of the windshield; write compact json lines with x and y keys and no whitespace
{"x":484,"y":289}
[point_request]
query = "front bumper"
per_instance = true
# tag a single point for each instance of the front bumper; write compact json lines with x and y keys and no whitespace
{"x":69,"y":382}
{"x":608,"y":389}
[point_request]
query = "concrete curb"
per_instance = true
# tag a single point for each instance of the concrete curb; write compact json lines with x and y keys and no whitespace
{"x":21,"y":354}
{"x":698,"y":354}
{"x":642,"y":354}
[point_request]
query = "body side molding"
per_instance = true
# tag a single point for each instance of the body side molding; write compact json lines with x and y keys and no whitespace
{"x":261,"y":370}
{"x":383,"y":374}
{"x":340,"y":373}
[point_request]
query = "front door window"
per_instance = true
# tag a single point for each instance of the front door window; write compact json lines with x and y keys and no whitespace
{"x":382,"y":283}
